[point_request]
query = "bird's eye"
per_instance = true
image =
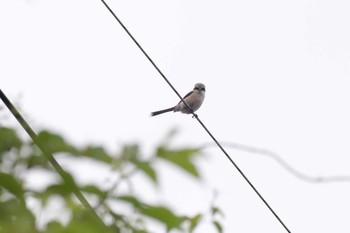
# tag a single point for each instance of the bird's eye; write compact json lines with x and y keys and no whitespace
{"x":199,"y":88}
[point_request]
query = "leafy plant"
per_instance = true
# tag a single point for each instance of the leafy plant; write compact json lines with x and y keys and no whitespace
{"x":19,"y":158}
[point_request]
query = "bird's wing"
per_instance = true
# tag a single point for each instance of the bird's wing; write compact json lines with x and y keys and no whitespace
{"x":187,"y":95}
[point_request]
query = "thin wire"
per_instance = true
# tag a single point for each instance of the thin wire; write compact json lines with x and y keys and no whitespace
{"x":284,"y":164}
{"x":143,"y":51}
{"x":196,"y":116}
{"x":49,"y":156}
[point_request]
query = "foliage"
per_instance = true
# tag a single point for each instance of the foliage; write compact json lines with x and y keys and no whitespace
{"x":19,"y":157}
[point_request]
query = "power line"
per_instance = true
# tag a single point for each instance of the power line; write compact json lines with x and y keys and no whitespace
{"x":275,"y":156}
{"x":196,"y":116}
{"x":75,"y":190}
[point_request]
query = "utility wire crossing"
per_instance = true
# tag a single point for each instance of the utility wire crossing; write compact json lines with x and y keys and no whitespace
{"x":196,"y":116}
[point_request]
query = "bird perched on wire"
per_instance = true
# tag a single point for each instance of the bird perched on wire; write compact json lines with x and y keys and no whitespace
{"x":194,"y":100}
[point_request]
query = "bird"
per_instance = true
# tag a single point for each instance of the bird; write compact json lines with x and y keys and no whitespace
{"x":194,"y":100}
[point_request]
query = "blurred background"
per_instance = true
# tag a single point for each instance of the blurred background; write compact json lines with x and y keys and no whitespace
{"x":276,"y":76}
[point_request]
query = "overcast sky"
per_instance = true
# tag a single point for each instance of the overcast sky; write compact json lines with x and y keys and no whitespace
{"x":277,"y":77}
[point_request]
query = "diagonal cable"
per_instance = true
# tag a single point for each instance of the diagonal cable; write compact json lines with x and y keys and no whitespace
{"x":196,"y":116}
{"x":65,"y":177}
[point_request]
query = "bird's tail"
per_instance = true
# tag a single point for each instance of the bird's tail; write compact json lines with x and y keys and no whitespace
{"x":162,"y":111}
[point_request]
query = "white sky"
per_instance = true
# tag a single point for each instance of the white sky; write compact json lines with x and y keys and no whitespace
{"x":277,"y":77}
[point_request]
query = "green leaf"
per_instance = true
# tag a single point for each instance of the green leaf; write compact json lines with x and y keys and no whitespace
{"x":69,"y":181}
{"x":130,"y":199}
{"x":162,"y":214}
{"x":94,"y":190}
{"x":216,"y":211}
{"x":12,"y":185}
{"x":35,"y":160}
{"x":130,"y":152}
{"x":54,"y":227}
{"x":218,"y":226}
{"x":84,"y":221}
{"x":15,"y":217}
{"x":8,"y":139}
{"x":57,"y":189}
{"x":65,"y":188}
{"x":194,"y":221}
{"x":134,"y":230}
{"x":53,"y":143}
{"x":181,"y":158}
{"x":148,"y":170}
{"x":97,"y":153}
{"x":159,"y":213}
